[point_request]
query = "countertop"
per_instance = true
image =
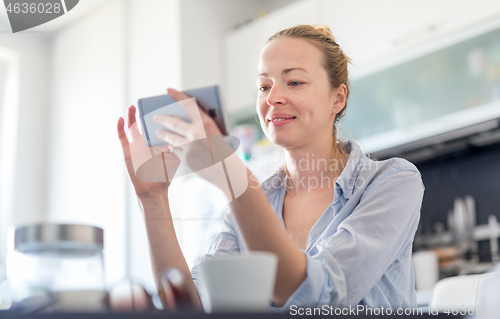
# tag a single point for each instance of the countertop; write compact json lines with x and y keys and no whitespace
{"x":11,"y":315}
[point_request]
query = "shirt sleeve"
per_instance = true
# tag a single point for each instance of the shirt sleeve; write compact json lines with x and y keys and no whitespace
{"x":348,"y":264}
{"x":224,"y":244}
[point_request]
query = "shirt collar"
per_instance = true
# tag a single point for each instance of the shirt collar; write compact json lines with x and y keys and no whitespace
{"x":347,"y":178}
{"x":345,"y":181}
{"x":273,"y":183}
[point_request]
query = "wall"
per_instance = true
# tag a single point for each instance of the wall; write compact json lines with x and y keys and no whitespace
{"x":204,"y":25}
{"x":472,"y":171}
{"x":123,"y":51}
{"x":86,"y":180}
{"x":154,"y":63}
{"x":29,"y":202}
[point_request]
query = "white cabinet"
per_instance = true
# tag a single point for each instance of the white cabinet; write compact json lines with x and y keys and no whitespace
{"x":367,"y":31}
{"x":242,"y":51}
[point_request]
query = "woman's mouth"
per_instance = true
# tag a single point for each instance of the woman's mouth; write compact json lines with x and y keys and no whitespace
{"x":281,"y":121}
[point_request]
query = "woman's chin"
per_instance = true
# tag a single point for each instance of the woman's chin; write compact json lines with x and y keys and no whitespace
{"x":282,"y":141}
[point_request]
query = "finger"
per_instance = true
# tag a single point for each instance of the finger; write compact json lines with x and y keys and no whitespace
{"x":121,"y":132}
{"x":174,"y":124}
{"x":203,"y":114}
{"x":131,"y":116}
{"x":191,"y":111}
{"x":171,"y":138}
{"x":125,"y":144}
{"x":177,"y":95}
{"x":134,"y":129}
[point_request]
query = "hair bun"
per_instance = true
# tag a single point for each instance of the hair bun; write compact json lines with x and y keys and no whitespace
{"x":325,"y":30}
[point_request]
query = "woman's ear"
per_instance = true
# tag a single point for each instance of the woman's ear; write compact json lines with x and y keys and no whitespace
{"x":339,"y":95}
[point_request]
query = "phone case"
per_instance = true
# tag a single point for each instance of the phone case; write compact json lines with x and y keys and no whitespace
{"x":210,"y":99}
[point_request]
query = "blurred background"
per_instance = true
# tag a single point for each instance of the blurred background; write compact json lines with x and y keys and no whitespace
{"x":425,"y":79}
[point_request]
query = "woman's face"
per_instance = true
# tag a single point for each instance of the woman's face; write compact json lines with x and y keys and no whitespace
{"x":296,"y":104}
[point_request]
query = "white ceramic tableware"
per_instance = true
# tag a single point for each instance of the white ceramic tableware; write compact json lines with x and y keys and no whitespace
{"x":240,"y":283}
{"x":426,"y":269}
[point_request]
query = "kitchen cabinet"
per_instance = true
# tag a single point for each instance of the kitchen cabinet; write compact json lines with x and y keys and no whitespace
{"x":438,"y":98}
{"x":370,"y":30}
{"x":367,"y":31}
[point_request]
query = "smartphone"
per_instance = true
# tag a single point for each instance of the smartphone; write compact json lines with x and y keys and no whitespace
{"x":210,"y":99}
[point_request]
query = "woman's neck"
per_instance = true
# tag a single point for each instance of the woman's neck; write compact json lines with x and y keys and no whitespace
{"x":313,"y":170}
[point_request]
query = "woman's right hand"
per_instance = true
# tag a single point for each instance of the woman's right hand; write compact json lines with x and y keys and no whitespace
{"x":153,"y":179}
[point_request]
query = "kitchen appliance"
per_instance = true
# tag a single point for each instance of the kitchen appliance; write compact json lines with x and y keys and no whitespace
{"x":457,"y":248}
{"x":461,"y":222}
{"x":57,"y":267}
{"x":426,"y":267}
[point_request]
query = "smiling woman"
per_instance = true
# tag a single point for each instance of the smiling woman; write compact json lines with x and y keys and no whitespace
{"x":341,"y":225}
{"x":302,"y":73}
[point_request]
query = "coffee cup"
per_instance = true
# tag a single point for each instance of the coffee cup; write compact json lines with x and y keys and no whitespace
{"x":239,"y":283}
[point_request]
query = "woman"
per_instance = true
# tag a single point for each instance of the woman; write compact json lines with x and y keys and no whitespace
{"x":343,"y":232}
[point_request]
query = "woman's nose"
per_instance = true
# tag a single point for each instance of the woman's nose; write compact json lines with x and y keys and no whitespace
{"x":276,"y":96}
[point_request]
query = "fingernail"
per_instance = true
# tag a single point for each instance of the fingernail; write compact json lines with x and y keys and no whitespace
{"x":157,"y":118}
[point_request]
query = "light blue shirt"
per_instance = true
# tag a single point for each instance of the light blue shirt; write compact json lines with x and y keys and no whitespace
{"x":360,"y":249}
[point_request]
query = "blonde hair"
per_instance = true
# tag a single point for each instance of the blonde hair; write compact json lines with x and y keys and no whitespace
{"x":335,"y":64}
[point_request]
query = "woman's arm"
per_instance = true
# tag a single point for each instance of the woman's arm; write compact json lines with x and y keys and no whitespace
{"x":164,"y":247}
{"x":262,"y":231}
{"x":153,"y":196}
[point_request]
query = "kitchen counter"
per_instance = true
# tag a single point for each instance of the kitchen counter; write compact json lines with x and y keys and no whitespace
{"x":10,"y":315}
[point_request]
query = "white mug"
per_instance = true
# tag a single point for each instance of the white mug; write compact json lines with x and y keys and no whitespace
{"x":239,"y":283}
{"x":426,"y":269}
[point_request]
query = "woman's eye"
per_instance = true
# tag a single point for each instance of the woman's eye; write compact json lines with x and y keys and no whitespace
{"x":263,"y":88}
{"x":295,"y":83}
